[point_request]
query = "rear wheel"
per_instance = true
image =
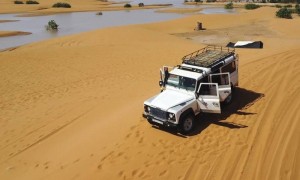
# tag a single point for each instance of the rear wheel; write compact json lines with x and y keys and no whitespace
{"x":187,"y":124}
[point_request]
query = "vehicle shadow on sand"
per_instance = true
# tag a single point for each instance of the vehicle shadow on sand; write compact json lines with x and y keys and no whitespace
{"x":242,"y":99}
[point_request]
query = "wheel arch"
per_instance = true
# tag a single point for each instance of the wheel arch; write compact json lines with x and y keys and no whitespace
{"x":188,"y":111}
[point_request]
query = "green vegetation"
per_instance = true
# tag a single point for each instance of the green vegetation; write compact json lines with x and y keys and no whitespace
{"x":32,"y":2}
{"x":297,"y":9}
{"x":52,"y":25}
{"x":141,"y":5}
{"x":284,"y":1}
{"x":211,"y":1}
{"x":251,"y":6}
{"x":278,"y":6}
{"x":229,"y":6}
{"x":18,"y":2}
{"x":127,"y":6}
{"x":284,"y":13}
{"x":61,"y":5}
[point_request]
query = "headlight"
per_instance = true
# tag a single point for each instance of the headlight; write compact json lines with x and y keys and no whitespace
{"x":147,"y":109}
{"x":171,"y":116}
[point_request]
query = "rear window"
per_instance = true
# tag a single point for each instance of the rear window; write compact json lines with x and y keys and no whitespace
{"x":231,"y":67}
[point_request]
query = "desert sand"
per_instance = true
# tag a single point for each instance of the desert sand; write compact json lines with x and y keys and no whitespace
{"x":71,"y":107}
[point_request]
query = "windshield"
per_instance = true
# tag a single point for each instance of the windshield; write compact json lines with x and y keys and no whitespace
{"x":181,"y":82}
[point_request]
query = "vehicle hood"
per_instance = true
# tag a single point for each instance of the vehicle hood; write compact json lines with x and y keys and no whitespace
{"x":170,"y":98}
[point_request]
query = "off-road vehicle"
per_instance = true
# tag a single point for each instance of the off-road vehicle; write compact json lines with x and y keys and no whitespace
{"x":203,"y":81}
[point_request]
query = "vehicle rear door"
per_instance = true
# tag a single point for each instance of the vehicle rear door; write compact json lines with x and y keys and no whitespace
{"x":224,"y":84}
{"x":208,"y":98}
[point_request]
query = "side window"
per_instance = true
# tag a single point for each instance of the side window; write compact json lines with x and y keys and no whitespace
{"x":220,"y":79}
{"x":208,"y":90}
{"x":231,"y":67}
{"x":203,"y":80}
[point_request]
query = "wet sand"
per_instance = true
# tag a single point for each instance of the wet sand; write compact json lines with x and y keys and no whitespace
{"x":13,"y":33}
{"x":71,"y":107}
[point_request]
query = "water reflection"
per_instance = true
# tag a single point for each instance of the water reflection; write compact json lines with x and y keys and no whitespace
{"x":71,"y":23}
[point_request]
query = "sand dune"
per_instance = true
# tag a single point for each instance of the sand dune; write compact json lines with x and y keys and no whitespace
{"x":71,"y":107}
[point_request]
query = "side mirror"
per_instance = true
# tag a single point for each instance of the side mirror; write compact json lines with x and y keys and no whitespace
{"x":161,"y":83}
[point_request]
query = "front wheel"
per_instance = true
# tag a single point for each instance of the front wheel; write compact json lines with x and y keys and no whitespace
{"x":187,"y":124}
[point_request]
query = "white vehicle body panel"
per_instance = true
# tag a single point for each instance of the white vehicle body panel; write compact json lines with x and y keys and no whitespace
{"x":170,"y":98}
{"x":210,"y":103}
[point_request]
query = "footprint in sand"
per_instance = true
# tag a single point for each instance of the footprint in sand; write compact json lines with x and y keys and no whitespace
{"x":163,"y":173}
{"x":141,"y":140}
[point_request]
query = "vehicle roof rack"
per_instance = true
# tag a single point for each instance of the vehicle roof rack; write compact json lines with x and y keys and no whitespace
{"x":208,"y":57}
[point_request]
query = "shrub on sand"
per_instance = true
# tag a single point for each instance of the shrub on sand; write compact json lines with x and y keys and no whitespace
{"x":251,"y":6}
{"x":284,"y":13}
{"x":297,"y":9}
{"x":288,"y":6}
{"x":229,"y":6}
{"x":32,"y":2}
{"x":61,"y":5}
{"x":127,"y":6}
{"x":18,"y":2}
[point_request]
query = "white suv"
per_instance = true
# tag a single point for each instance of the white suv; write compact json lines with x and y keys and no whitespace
{"x":204,"y":79}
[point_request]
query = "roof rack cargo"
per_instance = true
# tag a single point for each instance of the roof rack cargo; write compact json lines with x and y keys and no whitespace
{"x":209,"y":56}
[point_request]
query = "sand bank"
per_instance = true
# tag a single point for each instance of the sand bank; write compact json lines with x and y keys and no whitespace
{"x":13,"y":33}
{"x":71,"y":107}
{"x":51,"y":11}
{"x":5,"y":21}
{"x":179,"y":10}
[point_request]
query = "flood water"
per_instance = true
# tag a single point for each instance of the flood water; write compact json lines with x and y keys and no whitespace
{"x":72,"y":23}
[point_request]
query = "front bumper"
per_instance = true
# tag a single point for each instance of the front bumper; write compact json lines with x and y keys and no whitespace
{"x":156,"y":121}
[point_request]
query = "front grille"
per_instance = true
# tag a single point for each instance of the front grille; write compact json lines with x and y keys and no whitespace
{"x":158,"y":113}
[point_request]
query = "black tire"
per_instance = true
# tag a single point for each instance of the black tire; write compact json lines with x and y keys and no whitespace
{"x":187,"y":124}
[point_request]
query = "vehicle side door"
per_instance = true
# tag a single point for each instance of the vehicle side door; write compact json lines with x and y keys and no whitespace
{"x":208,"y":98}
{"x":224,"y":84}
{"x":164,"y":74}
{"x":232,"y":68}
